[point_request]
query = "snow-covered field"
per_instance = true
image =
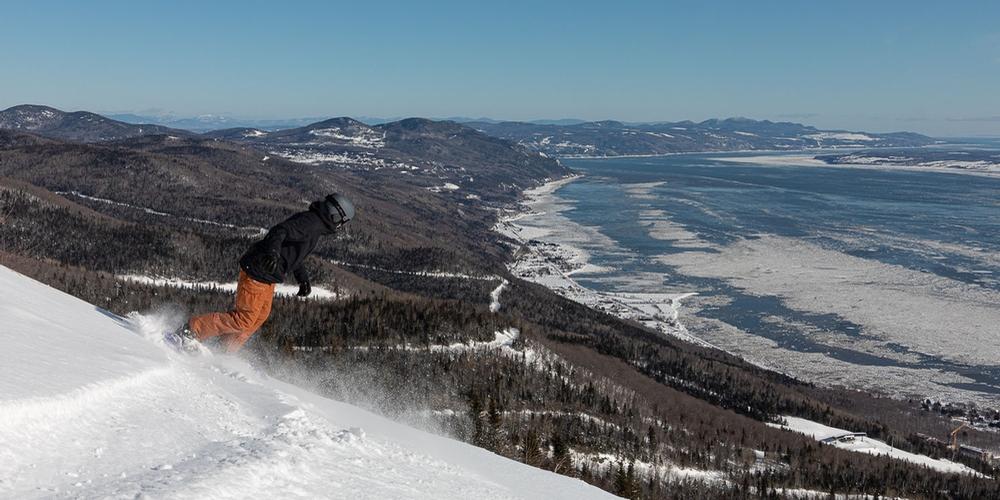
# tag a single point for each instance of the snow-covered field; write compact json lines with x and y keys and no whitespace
{"x":976,"y":166}
{"x":841,"y":136}
{"x":318,"y":292}
{"x":871,"y":162}
{"x":93,"y":406}
{"x":365,"y":138}
{"x":362,"y":160}
{"x":422,"y":274}
{"x":864,"y":444}
{"x":448,"y":186}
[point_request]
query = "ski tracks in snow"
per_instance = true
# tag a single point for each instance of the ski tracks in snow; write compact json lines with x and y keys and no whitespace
{"x":200,"y":427}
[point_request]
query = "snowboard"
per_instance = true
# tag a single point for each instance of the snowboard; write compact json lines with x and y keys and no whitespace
{"x":183,"y":345}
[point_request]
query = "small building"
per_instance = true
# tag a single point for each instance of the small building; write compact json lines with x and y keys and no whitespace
{"x":846,"y":437}
{"x":979,"y":453}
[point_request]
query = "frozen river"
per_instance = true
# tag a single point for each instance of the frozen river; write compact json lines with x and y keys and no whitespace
{"x":871,"y":278}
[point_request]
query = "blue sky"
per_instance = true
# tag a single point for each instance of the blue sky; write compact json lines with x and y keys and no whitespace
{"x":932,"y":67}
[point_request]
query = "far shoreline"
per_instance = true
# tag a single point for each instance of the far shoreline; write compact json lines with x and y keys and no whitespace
{"x":801,"y":158}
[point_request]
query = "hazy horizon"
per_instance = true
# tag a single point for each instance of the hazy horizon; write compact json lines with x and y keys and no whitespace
{"x":162,"y":116}
{"x":888,"y":66}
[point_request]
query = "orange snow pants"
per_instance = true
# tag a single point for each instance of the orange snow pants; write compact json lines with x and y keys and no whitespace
{"x":253,"y":305}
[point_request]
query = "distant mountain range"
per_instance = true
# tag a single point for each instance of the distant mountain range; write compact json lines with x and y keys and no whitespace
{"x":206,"y":123}
{"x":456,"y":155}
{"x":77,"y":126}
{"x":560,"y":138}
{"x":441,"y":156}
{"x":613,"y":138}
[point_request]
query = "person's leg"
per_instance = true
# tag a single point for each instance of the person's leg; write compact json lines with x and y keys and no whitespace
{"x":252,"y":297}
{"x":233,"y":342}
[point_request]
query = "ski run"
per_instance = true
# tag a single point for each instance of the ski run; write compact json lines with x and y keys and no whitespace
{"x":863,"y":444}
{"x":318,"y":293}
{"x":92,"y":405}
{"x":254,"y":231}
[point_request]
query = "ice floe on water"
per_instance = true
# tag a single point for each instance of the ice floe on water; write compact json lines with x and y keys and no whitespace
{"x":931,"y":314}
{"x":553,"y":249}
{"x":661,"y":228}
{"x":916,"y":333}
{"x":643,"y":190}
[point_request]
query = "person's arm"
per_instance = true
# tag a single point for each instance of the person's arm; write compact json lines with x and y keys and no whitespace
{"x":302,"y":277}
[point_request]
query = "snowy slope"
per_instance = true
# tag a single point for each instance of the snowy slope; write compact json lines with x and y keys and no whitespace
{"x":866,"y":444}
{"x":92,"y":406}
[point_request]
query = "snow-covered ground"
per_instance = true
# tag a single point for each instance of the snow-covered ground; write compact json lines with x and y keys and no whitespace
{"x":871,"y":162}
{"x":840,"y":136}
{"x":495,"y":296}
{"x":864,"y":444}
{"x":448,"y":186}
{"x":318,"y":292}
{"x":951,"y":165}
{"x":93,"y":406}
{"x":422,"y":274}
{"x":364,"y":138}
{"x":363,"y":160}
{"x":644,"y":470}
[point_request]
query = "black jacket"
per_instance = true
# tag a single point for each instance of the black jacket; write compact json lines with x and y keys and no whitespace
{"x":292,"y":240}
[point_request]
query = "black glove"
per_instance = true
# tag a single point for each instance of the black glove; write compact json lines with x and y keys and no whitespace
{"x":270,"y":263}
{"x":304,"y":289}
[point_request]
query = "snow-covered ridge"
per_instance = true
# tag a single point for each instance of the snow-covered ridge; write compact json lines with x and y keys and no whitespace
{"x":91,"y":406}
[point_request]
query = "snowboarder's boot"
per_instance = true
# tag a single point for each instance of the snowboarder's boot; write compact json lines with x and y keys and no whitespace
{"x":182,"y":339}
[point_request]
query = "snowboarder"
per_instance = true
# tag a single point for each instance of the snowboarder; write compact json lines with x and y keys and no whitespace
{"x":265,"y":264}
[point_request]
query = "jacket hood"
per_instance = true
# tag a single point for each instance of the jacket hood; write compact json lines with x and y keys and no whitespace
{"x":319,"y":208}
